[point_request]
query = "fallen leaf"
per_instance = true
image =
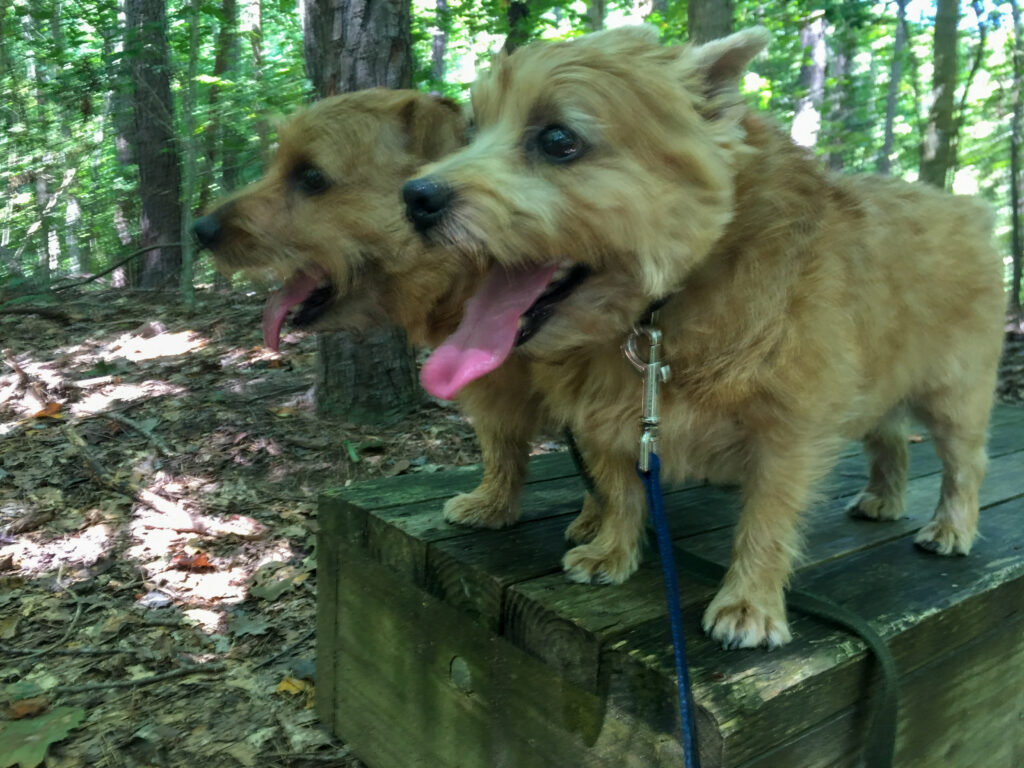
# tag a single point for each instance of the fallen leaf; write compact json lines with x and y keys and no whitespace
{"x":292,"y":686}
{"x":200,"y":561}
{"x":24,"y":742}
{"x":50,"y":411}
{"x":28,"y":707}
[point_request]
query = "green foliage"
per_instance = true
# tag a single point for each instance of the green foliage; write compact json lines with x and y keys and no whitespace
{"x":68,"y":191}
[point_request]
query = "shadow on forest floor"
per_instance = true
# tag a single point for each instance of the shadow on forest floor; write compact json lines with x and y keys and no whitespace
{"x":158,"y":477}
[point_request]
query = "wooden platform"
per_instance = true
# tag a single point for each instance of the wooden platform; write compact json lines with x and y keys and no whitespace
{"x":443,"y":647}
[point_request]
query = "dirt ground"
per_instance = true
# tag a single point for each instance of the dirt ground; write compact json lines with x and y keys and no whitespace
{"x":158,"y":478}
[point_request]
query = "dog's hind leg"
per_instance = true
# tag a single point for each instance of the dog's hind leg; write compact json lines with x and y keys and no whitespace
{"x":614,"y":521}
{"x":886,"y":446}
{"x":506,"y":415}
{"x":957,"y":421}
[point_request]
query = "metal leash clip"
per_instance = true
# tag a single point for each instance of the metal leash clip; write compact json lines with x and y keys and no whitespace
{"x":654,"y":373}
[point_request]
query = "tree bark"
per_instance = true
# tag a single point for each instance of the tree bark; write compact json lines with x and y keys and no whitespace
{"x":518,"y":17}
{"x":708,"y":19}
{"x":356,"y":44}
{"x":936,"y":149}
{"x":371,"y":380}
{"x":1015,"y":141}
{"x":190,"y":161}
{"x":252,"y":26}
{"x":439,"y":43}
{"x":351,"y":45}
{"x":226,"y":55}
{"x":807,"y":120}
{"x":842,"y":44}
{"x":596,"y":10}
{"x":155,"y":150}
{"x":884,"y":164}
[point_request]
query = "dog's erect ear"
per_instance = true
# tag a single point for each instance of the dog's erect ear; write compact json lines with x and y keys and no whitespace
{"x":621,"y":40}
{"x":433,"y":124}
{"x":721,"y":63}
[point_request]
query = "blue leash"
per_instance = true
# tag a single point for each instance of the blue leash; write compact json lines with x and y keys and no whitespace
{"x":655,"y":503}
{"x":655,"y":373}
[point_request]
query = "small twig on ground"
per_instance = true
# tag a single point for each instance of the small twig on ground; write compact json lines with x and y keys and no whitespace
{"x":161,"y":446}
{"x":286,"y":650}
{"x":118,"y":264}
{"x":197,"y":669}
{"x":64,"y":637}
{"x":31,"y":652}
{"x":47,"y":312}
{"x":179,"y":518}
{"x":97,"y":469}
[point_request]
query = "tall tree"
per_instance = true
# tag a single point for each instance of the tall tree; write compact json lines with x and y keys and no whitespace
{"x":189,"y":153}
{"x":355,"y":44}
{"x":884,"y":163}
{"x":155,"y":149}
{"x":252,"y":28}
{"x":351,"y":45}
{"x":807,"y":120}
{"x":1015,"y":141}
{"x":709,"y":19}
{"x":439,"y":43}
{"x":595,"y":13}
{"x":937,"y":147}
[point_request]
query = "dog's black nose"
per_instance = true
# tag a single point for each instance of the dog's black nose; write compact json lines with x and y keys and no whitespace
{"x":207,"y":230}
{"x":426,"y":201}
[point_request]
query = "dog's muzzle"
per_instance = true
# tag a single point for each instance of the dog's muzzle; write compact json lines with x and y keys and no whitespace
{"x":426,"y":201}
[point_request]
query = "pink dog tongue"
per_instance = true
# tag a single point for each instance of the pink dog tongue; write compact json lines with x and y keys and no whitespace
{"x":487,"y":332}
{"x":293,"y":292}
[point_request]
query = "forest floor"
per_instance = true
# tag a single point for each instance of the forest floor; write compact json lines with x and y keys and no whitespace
{"x":159,"y":471}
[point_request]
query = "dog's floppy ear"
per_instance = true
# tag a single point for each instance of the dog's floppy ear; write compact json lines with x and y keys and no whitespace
{"x":433,"y":125}
{"x":721,"y":63}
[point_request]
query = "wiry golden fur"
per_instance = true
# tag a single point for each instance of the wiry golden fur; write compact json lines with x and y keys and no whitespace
{"x":354,"y":236}
{"x":353,"y":232}
{"x":805,"y":308}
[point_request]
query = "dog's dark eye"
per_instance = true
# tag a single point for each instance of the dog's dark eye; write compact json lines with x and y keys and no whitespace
{"x":311,"y":180}
{"x":558,"y":144}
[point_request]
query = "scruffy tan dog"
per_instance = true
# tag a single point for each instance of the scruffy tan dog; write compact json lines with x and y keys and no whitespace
{"x":328,"y":221}
{"x":803,"y":308}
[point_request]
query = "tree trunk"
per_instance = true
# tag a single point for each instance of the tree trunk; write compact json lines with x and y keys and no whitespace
{"x":595,"y":13}
{"x":439,"y":43}
{"x":350,"y":45}
{"x":660,"y":7}
{"x":807,"y":120}
{"x":884,"y":165}
{"x":117,"y":103}
{"x":356,"y":44}
{"x":843,"y":45}
{"x":189,"y":159}
{"x":1015,"y":140}
{"x":252,"y":26}
{"x":213,"y":135}
{"x":936,"y":149}
{"x":518,"y":17}
{"x":155,"y":151}
{"x":708,"y":19}
{"x":371,"y":380}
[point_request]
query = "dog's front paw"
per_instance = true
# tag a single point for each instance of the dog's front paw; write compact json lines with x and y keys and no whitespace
{"x":869,"y":506}
{"x":481,"y":510}
{"x":591,"y":564}
{"x":587,"y":523}
{"x":742,"y":623}
{"x":942,"y":538}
